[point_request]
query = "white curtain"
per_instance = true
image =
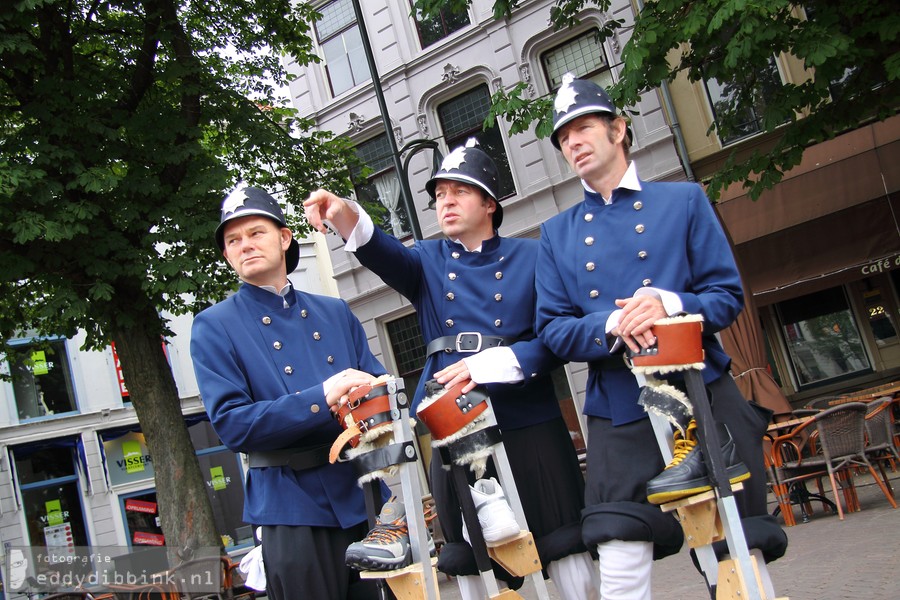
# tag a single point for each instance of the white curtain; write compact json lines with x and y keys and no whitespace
{"x":388,"y":187}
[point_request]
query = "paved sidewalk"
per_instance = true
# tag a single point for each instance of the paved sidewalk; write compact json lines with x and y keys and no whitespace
{"x":827,"y":559}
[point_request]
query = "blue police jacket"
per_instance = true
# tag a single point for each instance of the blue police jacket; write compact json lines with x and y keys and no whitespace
{"x":664,"y":236}
{"x":490,"y":292}
{"x":260,"y":368}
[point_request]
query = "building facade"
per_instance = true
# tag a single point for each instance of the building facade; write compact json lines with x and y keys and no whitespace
{"x":819,"y":253}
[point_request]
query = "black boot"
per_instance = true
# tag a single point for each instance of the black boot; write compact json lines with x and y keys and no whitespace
{"x":686,"y":475}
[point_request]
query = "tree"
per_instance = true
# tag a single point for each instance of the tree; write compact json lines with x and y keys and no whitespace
{"x":851,"y":51}
{"x":124,"y":124}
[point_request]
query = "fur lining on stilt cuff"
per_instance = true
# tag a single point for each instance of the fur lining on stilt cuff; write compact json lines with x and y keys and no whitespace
{"x":667,"y":401}
{"x":477,"y":459}
{"x":667,"y":369}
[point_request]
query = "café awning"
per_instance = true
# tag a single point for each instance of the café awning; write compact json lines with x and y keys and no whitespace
{"x":832,"y":217}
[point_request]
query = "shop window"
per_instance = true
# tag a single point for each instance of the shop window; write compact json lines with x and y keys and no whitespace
{"x":224,"y":485}
{"x":822,"y":337}
{"x":142,"y":519}
{"x":127,"y":457}
{"x":380,"y":192}
{"x":51,"y":500}
{"x":434,"y":29}
{"x":739,"y":106}
{"x":41,"y":378}
{"x":128,"y":462}
{"x":463,"y":117}
{"x":582,"y":56}
{"x":408,"y":347}
{"x":339,"y":37}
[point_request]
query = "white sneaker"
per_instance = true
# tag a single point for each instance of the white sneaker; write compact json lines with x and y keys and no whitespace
{"x":497,"y":520}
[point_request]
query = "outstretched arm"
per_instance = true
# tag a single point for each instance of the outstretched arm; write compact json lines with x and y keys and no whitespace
{"x":323,"y":206}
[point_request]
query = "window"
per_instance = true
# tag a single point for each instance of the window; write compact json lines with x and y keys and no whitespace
{"x":42,"y":379}
{"x":582,"y":56}
{"x":224,"y":485}
{"x":838,"y":86}
{"x":341,"y":42}
{"x":128,"y":462}
{"x":409,"y":349}
{"x":463,"y":117}
{"x":381,"y":191}
{"x":436,"y":28}
{"x":822,"y":337}
{"x":127,"y":457}
{"x":735,"y":116}
{"x":51,"y":498}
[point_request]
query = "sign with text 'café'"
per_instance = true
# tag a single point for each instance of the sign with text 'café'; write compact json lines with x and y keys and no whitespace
{"x":882,"y":265}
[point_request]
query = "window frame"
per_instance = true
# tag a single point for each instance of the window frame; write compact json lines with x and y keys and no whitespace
{"x":339,"y":34}
{"x":507,"y":183}
{"x":757,"y":119}
{"x":441,"y":16}
{"x":594,"y":75}
{"x":68,"y":375}
{"x":381,"y":170}
{"x":792,"y":362}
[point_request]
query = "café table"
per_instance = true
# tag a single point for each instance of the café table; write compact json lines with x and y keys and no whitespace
{"x":891,"y":390}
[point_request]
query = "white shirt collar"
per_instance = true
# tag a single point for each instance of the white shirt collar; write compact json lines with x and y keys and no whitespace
{"x":629,"y":181}
{"x":478,"y":249}
{"x":283,"y":292}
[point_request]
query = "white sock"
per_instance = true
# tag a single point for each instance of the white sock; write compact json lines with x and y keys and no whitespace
{"x":471,"y":587}
{"x":575,"y":577}
{"x":625,"y":570}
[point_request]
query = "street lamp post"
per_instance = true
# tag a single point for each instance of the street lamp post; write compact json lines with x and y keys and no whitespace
{"x":405,"y":194}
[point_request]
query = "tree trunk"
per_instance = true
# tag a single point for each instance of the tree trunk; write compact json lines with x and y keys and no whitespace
{"x":184,"y":507}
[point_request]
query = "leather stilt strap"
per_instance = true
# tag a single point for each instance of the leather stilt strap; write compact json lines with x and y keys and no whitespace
{"x":383,"y":458}
{"x":483,"y":438}
{"x":452,"y":410}
{"x":679,"y":343}
{"x":367,"y":407}
{"x":347,"y":436}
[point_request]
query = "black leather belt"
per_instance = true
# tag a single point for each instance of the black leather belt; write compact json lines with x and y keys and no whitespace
{"x":295,"y":458}
{"x":615,"y":363}
{"x":467,"y":341}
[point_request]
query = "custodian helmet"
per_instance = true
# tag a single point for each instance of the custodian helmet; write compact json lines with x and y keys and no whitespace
{"x":255,"y":201}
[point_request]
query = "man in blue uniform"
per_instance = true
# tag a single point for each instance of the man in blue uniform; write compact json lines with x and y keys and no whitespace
{"x":633,"y":252}
{"x":271,"y":362}
{"x":478,"y":286}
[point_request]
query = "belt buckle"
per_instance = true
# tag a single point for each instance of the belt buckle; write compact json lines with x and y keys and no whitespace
{"x":459,"y":340}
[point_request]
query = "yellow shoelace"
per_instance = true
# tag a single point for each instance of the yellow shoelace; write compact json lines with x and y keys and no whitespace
{"x":682,"y":448}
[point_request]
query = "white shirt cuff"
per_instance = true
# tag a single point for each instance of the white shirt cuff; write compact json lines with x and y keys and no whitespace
{"x":670,"y":300}
{"x":363,"y":231}
{"x":495,"y":365}
{"x":613,"y":320}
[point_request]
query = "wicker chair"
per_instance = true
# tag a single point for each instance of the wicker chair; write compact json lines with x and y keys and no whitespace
{"x":823,"y":402}
{"x":880,"y":433}
{"x":835,"y":448}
